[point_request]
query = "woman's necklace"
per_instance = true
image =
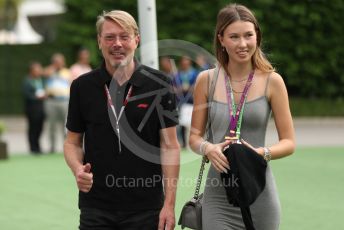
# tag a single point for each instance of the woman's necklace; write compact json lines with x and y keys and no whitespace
{"x":245,"y":79}
{"x":237,"y":81}
{"x":234,"y":91}
{"x":236,"y":111}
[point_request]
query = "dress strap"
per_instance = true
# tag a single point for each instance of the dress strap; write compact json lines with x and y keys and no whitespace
{"x":212,"y":81}
{"x":267,"y":84}
{"x":211,"y":89}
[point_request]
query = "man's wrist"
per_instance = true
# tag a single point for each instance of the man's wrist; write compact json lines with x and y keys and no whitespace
{"x":169,"y":203}
{"x":76,"y":168}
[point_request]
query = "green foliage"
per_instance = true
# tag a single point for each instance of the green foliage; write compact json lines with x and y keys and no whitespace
{"x":8,"y":13}
{"x":173,"y":22}
{"x":77,"y":29}
{"x":2,"y":128}
{"x":303,"y":39}
{"x":14,"y":62}
{"x":193,"y":21}
{"x":317,"y":107}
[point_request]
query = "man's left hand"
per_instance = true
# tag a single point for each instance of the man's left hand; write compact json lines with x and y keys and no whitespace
{"x":166,"y":218}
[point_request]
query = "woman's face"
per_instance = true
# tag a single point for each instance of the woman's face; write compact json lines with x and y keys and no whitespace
{"x":240,"y":41}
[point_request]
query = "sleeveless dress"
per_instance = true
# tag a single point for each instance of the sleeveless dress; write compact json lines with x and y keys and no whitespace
{"x":217,"y":213}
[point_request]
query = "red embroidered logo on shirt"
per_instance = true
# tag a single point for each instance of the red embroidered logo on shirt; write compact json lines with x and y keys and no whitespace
{"x":142,"y":106}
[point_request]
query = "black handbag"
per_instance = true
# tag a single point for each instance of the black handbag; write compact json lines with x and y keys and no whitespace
{"x":191,"y":215}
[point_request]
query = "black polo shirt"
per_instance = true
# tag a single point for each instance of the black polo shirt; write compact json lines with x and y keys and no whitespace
{"x":130,"y":179}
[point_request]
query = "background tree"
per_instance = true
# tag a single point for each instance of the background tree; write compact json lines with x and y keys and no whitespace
{"x":8,"y":13}
{"x":304,"y":39}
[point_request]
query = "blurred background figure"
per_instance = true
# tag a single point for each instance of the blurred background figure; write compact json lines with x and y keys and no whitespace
{"x":202,"y":63}
{"x":184,"y":82}
{"x":168,"y":66}
{"x":58,"y":79}
{"x":82,"y":64}
{"x":185,"y":79}
{"x":34,"y":95}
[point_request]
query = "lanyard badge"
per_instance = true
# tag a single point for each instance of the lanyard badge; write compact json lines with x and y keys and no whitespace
{"x":113,"y":109}
{"x":236,"y":112}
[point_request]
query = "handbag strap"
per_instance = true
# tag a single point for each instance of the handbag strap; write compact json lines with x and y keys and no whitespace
{"x":200,"y":176}
{"x":208,"y":129}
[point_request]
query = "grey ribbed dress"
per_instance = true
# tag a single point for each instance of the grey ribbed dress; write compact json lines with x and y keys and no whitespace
{"x":218,"y":214}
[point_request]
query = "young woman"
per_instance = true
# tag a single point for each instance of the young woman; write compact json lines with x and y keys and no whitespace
{"x":238,"y":51}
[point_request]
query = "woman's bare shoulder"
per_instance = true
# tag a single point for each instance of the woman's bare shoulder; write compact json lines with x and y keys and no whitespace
{"x":205,"y":74}
{"x":203,"y":81}
{"x":276,"y":79}
{"x":204,"y":77}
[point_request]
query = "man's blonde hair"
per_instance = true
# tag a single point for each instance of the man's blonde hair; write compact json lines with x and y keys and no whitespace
{"x":122,"y":18}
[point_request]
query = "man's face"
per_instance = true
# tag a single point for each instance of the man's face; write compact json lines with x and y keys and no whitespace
{"x":117,"y":45}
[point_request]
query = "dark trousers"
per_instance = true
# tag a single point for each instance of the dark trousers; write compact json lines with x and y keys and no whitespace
{"x":97,"y":219}
{"x":181,"y":132}
{"x":35,"y":117}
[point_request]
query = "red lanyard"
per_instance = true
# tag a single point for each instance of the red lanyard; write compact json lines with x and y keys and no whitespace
{"x":113,"y":109}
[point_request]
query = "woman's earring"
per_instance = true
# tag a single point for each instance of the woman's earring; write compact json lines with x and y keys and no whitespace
{"x":223,"y":49}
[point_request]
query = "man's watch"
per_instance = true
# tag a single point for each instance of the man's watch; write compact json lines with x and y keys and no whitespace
{"x":267,"y":154}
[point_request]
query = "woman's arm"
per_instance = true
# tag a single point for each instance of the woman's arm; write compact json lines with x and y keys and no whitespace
{"x":198,"y":125}
{"x":278,"y":96}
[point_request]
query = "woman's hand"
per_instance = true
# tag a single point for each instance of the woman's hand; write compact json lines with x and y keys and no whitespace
{"x":258,"y":150}
{"x":214,"y":152}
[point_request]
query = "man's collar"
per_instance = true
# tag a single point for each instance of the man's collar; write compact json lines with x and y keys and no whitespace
{"x":104,"y":77}
{"x":136,"y":78}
